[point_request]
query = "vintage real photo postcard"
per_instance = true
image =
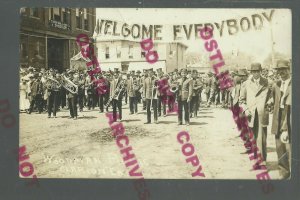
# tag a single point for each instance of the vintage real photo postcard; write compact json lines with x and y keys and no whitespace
{"x":159,"y":93}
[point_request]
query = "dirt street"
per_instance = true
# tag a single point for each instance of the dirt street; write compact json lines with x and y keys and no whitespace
{"x":84,"y":148}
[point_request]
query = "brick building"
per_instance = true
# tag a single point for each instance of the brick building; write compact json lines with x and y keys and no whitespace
{"x":47,"y":35}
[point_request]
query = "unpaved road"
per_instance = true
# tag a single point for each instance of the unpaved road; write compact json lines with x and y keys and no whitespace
{"x":84,"y":148}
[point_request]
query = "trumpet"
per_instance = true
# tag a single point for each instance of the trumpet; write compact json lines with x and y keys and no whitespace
{"x":69,"y":85}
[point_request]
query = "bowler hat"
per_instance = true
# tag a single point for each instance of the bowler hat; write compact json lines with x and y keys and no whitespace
{"x":242,"y":72}
{"x":255,"y":67}
{"x":282,"y":64}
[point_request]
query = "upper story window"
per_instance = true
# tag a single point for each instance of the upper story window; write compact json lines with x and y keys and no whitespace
{"x":130,"y":52}
{"x":65,"y":15}
{"x":118,"y":52}
{"x":56,"y":14}
{"x":78,"y":18}
{"x":106,"y":52}
{"x":85,"y":17}
{"x":34,"y":12}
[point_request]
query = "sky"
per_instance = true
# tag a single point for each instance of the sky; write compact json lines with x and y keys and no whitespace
{"x":257,"y":43}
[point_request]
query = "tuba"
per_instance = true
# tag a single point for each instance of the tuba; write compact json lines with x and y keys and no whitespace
{"x":69,"y":85}
{"x":52,"y":83}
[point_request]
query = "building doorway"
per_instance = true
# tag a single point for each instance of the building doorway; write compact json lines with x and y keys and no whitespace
{"x":55,"y":51}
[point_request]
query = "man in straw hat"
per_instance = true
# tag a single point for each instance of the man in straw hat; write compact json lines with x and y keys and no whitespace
{"x":281,"y":125}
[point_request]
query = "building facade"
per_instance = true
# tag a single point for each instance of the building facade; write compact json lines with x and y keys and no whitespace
{"x":48,"y":35}
{"x":128,"y":55}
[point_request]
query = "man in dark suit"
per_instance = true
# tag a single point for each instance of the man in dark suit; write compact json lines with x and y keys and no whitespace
{"x":253,"y":99}
{"x":131,"y":93}
{"x":240,"y":77}
{"x":116,"y":91}
{"x":281,"y":125}
{"x":150,"y":95}
{"x":36,"y":94}
{"x":185,"y":93}
{"x":195,"y":96}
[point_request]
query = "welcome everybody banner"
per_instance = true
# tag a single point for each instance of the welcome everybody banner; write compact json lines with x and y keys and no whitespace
{"x":112,"y":30}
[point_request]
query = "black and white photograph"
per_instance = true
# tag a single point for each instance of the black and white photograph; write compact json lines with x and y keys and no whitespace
{"x":156,"y":93}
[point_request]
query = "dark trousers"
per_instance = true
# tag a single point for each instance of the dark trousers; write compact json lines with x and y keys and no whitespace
{"x":73,"y":106}
{"x":117,"y":104}
{"x":63,"y":97}
{"x":148,"y":106}
{"x":52,"y":102}
{"x":126,"y":97}
{"x":194,"y":105}
{"x":159,"y":103}
{"x":164,"y":101}
{"x":133,"y":105}
{"x":101,"y":102}
{"x":283,"y":152}
{"x":90,"y":101}
{"x":38,"y":101}
{"x":80,"y":99}
{"x":260,"y":134}
{"x":183,"y":105}
{"x":144,"y":105}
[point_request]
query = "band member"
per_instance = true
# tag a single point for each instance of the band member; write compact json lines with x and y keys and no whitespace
{"x":150,"y":95}
{"x":116,"y":90}
{"x":195,"y":96}
{"x":36,"y":94}
{"x":72,"y":98}
{"x":139,"y":83}
{"x":281,"y":125}
{"x":185,"y":92}
{"x":101,"y":91}
{"x":160,"y":93}
{"x":142,"y":89}
{"x":90,"y":93}
{"x":131,"y":91}
{"x":253,"y":98}
{"x":81,"y":90}
{"x":53,"y":92}
{"x":208,"y":88}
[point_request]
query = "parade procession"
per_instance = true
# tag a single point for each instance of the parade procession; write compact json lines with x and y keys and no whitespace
{"x":65,"y":97}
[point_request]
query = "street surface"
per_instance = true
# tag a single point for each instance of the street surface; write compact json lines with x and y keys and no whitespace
{"x":84,"y":148}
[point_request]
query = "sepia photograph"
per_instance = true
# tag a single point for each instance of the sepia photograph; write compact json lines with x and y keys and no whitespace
{"x":155,"y":93}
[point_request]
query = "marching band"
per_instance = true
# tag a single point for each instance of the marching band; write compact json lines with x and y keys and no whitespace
{"x":51,"y":91}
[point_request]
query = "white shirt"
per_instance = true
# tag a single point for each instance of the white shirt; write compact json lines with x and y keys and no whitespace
{"x":256,"y":81}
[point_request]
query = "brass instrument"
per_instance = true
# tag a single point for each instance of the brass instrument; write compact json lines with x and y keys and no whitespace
{"x":136,"y":86}
{"x":153,"y":90}
{"x":69,"y":85}
{"x":117,"y":92}
{"x":174,"y":87}
{"x":52,"y":83}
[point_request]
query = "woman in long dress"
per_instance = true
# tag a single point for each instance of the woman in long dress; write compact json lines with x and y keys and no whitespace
{"x":24,"y":102}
